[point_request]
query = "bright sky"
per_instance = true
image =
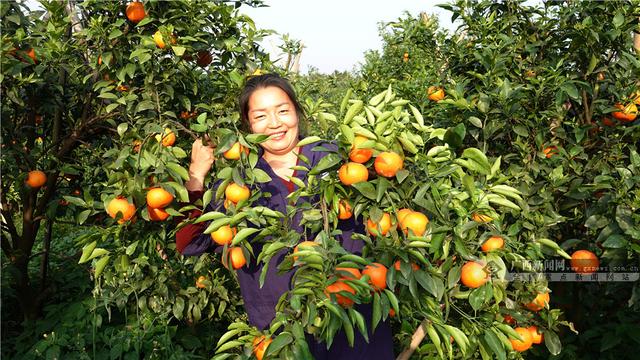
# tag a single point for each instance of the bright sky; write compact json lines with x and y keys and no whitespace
{"x":336,"y":33}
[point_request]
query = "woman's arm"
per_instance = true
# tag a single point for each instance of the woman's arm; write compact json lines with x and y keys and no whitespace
{"x":190,"y":240}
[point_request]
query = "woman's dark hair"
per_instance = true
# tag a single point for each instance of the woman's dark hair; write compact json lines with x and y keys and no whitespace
{"x":261,"y":82}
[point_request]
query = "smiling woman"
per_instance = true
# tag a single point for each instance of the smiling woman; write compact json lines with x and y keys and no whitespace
{"x":268,"y":105}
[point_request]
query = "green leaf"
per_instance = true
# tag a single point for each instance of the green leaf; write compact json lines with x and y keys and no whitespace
{"x":178,"y":307}
{"x":495,"y":344}
{"x":618,"y":19}
{"x":475,"y":122}
{"x":325,"y":163}
{"x":309,"y":140}
{"x":122,"y":128}
{"x":615,"y":241}
{"x":278,"y":343}
{"x":552,"y":341}
{"x":100,"y":265}
{"x":86,"y":252}
{"x":377,"y":312}
{"x":455,"y":135}
{"x":366,"y":189}
{"x":243,"y":234}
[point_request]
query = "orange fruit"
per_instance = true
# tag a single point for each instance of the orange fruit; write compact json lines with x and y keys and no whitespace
{"x":584,"y":262}
{"x":493,"y":243}
{"x":435,"y":93}
{"x":360,"y":156}
{"x":122,"y":88}
{"x":344,"y":210}
{"x":227,"y":203}
{"x":199,"y":283}
{"x":607,"y":121}
{"x":157,"y":214}
{"x":159,"y":198}
{"x":636,"y":97}
{"x":135,"y":12}
{"x":235,"y":151}
{"x":159,"y":40}
{"x":224,"y":235}
{"x":627,"y":113}
{"x":530,"y":73}
{"x":536,"y":336}
{"x":539,"y":302}
{"x":32,"y":54}
{"x":526,"y":342}
{"x":260,"y":345}
{"x":36,"y":178}
{"x":168,"y":139}
{"x":338,"y":287}
{"x":377,"y":275}
{"x":550,"y":151}
{"x":303,"y":246}
{"x":509,"y":319}
{"x":382,"y":227}
{"x":353,"y":173}
{"x":136,"y":145}
{"x":236,"y":193}
{"x":401,"y":214}
{"x":392,"y":313}
{"x":388,"y":163}
{"x":473,"y":275}
{"x":121,"y":205}
{"x":354,"y":274}
{"x":414,"y":266}
{"x":416,"y":222}
{"x":236,"y":255}
{"x":600,"y":76}
{"x":204,"y":58}
{"x":480,"y":218}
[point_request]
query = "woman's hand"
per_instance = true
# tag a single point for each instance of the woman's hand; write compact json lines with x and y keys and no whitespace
{"x":201,"y":161}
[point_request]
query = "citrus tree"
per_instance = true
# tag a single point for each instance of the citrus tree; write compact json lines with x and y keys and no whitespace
{"x":100,"y":100}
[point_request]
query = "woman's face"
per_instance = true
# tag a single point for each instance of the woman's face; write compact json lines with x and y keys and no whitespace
{"x":271,"y":112}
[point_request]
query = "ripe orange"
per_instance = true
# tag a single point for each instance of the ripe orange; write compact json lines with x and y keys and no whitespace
{"x":159,"y":40}
{"x":199,"y":283}
{"x":236,"y":193}
{"x":135,"y":12}
{"x":377,"y":275}
{"x":493,"y":243}
{"x":526,"y":342}
{"x":159,"y":198}
{"x":539,"y":302}
{"x":392,"y":313}
{"x":235,"y":151}
{"x":122,"y":88}
{"x":224,"y":235}
{"x":382,"y":227}
{"x":352,"y":173}
{"x":260,"y":345}
{"x":121,"y":205}
{"x":530,"y":73}
{"x":536,"y":336}
{"x":237,"y":258}
{"x":168,"y":139}
{"x":473,"y":275}
{"x":336,"y":288}
{"x":435,"y":93}
{"x":600,"y":76}
{"x":480,"y":218}
{"x":550,"y":151}
{"x":36,"y":178}
{"x":584,"y":262}
{"x":400,"y":215}
{"x":414,"y":266}
{"x":360,"y":156}
{"x":136,"y":145}
{"x":204,"y":58}
{"x":416,"y":222}
{"x":303,"y":246}
{"x":627,"y":113}
{"x":388,"y":163}
{"x":157,"y":214}
{"x":353,"y":273}
{"x":509,"y":319}
{"x":344,"y":210}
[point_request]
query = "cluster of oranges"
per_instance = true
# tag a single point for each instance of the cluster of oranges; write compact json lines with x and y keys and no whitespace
{"x":376,"y":272}
{"x":158,"y":199}
{"x":386,"y":164}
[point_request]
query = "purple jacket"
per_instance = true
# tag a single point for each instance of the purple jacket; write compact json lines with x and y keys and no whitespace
{"x":260,"y":303}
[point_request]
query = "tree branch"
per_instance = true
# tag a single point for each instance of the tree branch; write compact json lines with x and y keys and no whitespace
{"x":416,"y":339}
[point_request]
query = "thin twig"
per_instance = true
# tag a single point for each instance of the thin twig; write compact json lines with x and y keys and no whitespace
{"x":416,"y":339}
